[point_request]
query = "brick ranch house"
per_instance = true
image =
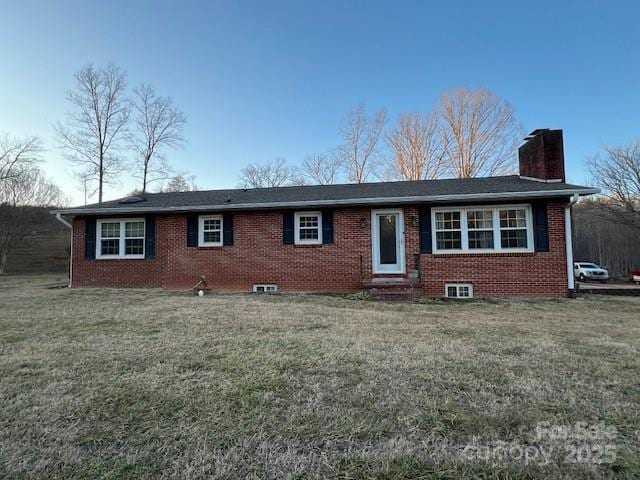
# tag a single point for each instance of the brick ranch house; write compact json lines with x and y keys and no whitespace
{"x":496,"y":236}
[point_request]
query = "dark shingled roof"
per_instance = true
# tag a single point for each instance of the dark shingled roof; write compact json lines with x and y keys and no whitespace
{"x":506,"y":187}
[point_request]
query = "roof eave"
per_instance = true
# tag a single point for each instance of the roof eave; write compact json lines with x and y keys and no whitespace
{"x":341,"y":202}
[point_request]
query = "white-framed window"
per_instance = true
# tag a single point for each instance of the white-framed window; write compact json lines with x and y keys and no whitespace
{"x":480,"y":229}
{"x":458,"y":290}
{"x":264,"y":288}
{"x":210,"y":231}
{"x":308,"y":228}
{"x":120,"y":238}
{"x":477,"y":229}
{"x":513,"y":228}
{"x":448,"y":230}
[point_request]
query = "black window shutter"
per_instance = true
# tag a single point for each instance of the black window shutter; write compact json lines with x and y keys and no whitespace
{"x":540,"y":227}
{"x":192,"y":231}
{"x":227,"y":229}
{"x":90,"y":239}
{"x":425,"y":229}
{"x":327,"y":226}
{"x":150,"y":237}
{"x":287,"y":228}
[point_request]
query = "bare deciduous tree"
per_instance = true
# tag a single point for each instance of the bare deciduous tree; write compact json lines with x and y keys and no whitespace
{"x":20,"y":195}
{"x":418,"y":152}
{"x":97,"y":124}
{"x":274,"y":173}
{"x":86,"y":183}
{"x":359,"y":152}
{"x":480,"y":133}
{"x":181,"y":183}
{"x":321,"y":169}
{"x":617,"y":173}
{"x":30,"y":187}
{"x":158,"y":125}
{"x":16,"y":153}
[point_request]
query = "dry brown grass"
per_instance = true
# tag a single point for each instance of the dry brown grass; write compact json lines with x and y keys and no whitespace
{"x":150,"y":384}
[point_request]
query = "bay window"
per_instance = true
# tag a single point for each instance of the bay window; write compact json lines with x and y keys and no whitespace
{"x":120,"y":238}
{"x":482,"y":229}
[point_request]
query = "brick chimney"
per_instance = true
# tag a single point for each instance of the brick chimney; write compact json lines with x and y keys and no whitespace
{"x":542,"y":155}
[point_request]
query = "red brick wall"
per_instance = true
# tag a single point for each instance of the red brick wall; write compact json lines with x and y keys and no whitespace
{"x":259,"y":256}
{"x":110,"y":273}
{"x":497,"y":274}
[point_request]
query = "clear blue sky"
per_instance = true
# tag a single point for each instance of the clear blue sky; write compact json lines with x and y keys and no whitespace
{"x":259,"y":80}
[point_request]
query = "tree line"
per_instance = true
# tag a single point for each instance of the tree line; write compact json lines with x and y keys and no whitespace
{"x":607,"y":227}
{"x":23,"y":188}
{"x":105,"y":132}
{"x":470,"y":133}
{"x":600,"y":238}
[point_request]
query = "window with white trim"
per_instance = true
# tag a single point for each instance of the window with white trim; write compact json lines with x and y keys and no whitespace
{"x":513,"y":228}
{"x":264,"y":288}
{"x":448,"y":230}
{"x":458,"y":290}
{"x":210,"y":231}
{"x":308,"y":228}
{"x":480,"y":229}
{"x":504,"y":228}
{"x":120,"y":238}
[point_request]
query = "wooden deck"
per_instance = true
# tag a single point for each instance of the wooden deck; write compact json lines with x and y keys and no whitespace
{"x":626,"y":289}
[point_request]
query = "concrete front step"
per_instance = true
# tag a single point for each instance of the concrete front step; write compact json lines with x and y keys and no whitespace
{"x":389,"y":283}
{"x":390,"y":296}
{"x":393,"y":289}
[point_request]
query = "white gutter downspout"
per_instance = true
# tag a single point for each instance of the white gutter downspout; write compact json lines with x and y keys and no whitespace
{"x":70,"y":227}
{"x":569,"y":245}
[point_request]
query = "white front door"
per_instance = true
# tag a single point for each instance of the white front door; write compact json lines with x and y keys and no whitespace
{"x":387,"y":236}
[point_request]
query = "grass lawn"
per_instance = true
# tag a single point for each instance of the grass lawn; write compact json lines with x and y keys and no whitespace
{"x":151,"y":384}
